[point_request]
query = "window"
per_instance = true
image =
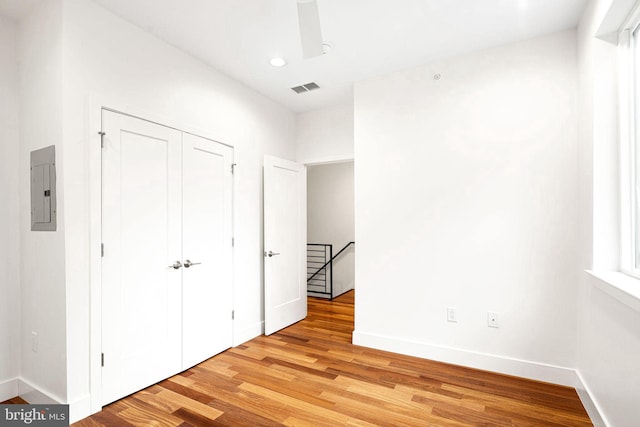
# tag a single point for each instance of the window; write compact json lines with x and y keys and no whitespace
{"x":634,"y":134}
{"x":629,"y":42}
{"x":615,"y":103}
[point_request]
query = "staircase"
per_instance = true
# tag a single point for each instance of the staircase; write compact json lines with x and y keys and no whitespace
{"x":320,"y":260}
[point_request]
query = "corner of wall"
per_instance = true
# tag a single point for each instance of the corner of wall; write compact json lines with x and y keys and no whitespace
{"x":37,"y":395}
{"x":590,"y":404}
{"x":10,"y":213}
{"x":43,"y":308}
{"x":9,"y":389}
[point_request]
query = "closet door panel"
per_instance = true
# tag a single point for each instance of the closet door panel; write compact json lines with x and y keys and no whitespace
{"x":207,"y":249}
{"x":141,"y":294}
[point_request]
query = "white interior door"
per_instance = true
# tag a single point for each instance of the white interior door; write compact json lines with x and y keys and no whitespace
{"x":285,"y":240}
{"x":141,"y":233}
{"x":207,"y":249}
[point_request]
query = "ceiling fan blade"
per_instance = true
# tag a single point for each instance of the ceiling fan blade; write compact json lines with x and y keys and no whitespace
{"x":310,"y":34}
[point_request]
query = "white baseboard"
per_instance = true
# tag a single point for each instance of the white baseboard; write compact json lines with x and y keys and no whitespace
{"x":36,"y":395}
{"x":248,"y":333}
{"x":488,"y":362}
{"x":19,"y":387}
{"x":590,"y":404}
{"x":344,"y":291}
{"x":80,"y":408}
{"x":317,"y":295}
{"x":8,"y":389}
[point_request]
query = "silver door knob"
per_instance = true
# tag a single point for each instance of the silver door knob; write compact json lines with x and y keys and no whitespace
{"x":176,"y":265}
{"x":271,"y":253}
{"x":188,"y":263}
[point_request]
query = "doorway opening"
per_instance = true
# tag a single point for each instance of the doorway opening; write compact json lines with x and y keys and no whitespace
{"x":330,"y":229}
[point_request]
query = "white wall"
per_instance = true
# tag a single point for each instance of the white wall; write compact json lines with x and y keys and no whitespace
{"x":109,"y":61}
{"x":325,"y":135}
{"x":608,"y":353}
{"x":42,"y":253}
{"x":470,"y":182}
{"x":9,"y":214}
{"x":466,"y":196}
{"x":609,"y":326}
{"x":330,"y":202}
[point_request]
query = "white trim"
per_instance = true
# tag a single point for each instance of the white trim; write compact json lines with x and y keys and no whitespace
{"x":79,"y":408}
{"x":8,"y":389}
{"x":234,"y":157}
{"x":472,"y":359}
{"x":590,"y":404}
{"x":628,"y":125}
{"x":631,"y":11}
{"x":624,"y":288}
{"x":625,"y":134}
{"x":95,"y":262}
{"x":618,"y":14}
{"x":312,"y":161}
{"x":167,"y":124}
{"x":35,"y":395}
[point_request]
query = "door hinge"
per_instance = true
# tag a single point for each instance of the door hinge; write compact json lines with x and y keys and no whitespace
{"x":233,"y":242}
{"x":102,"y":360}
{"x":102,"y":250}
{"x":102,"y":134}
{"x":233,"y":314}
{"x":233,"y":168}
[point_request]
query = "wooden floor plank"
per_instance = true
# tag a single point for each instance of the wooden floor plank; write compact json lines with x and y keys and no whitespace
{"x":310,"y":374}
{"x":368,"y":409}
{"x":239,"y":416}
{"x":15,"y":401}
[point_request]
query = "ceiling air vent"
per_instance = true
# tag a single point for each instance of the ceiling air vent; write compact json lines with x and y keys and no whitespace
{"x":307,"y":87}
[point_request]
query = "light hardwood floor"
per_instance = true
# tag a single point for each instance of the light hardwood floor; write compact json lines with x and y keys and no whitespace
{"x":310,"y":374}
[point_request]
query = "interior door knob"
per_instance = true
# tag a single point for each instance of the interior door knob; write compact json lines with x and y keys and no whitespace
{"x":188,"y":263}
{"x":176,"y":265}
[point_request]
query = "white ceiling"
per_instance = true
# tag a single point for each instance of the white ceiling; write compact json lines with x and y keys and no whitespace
{"x":368,"y":37}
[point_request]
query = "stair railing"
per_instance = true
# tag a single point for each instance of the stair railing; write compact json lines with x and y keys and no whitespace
{"x":328,"y":263}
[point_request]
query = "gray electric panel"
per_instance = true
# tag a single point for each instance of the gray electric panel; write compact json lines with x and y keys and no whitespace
{"x":43,"y":189}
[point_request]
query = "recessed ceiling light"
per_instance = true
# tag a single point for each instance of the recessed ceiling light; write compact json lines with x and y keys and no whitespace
{"x":278,"y":62}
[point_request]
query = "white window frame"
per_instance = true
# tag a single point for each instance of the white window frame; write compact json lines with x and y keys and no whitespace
{"x":629,"y":131}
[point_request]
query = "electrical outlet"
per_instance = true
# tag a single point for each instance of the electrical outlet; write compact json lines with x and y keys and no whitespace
{"x":492,"y":320}
{"x":452,"y":315}
{"x":34,"y":341}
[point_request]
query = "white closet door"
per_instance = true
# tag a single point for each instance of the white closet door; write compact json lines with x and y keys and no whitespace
{"x":141,"y":293}
{"x":207,"y":233}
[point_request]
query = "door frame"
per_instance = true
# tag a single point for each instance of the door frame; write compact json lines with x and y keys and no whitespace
{"x":96,"y":105}
{"x":331,"y":161}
